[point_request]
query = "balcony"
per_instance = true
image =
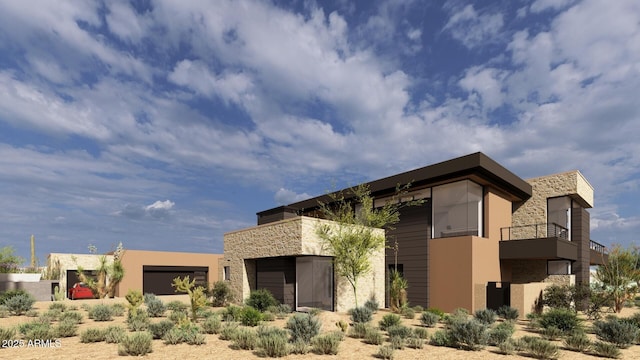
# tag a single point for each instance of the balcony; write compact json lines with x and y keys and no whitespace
{"x":537,"y":241}
{"x":598,"y":253}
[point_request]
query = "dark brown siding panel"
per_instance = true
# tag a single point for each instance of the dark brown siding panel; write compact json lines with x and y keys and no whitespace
{"x":158,"y":279}
{"x":580,"y":224}
{"x":412,"y":233}
{"x":278,"y":275}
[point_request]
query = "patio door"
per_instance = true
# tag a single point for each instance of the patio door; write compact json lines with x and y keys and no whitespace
{"x":314,"y":282}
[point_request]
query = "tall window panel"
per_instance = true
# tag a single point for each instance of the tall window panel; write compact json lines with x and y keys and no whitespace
{"x":457,"y":209}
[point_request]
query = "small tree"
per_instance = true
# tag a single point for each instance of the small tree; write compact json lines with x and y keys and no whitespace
{"x":619,"y":276}
{"x":9,"y":261}
{"x":197,"y":294}
{"x":108,"y":275}
{"x":352,"y":239}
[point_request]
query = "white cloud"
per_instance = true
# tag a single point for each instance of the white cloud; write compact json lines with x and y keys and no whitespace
{"x":473,"y":29}
{"x":285,"y":196}
{"x":125,"y":23}
{"x":542,"y":5}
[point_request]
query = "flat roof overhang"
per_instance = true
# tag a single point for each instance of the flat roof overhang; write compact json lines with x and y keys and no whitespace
{"x":541,"y":248}
{"x":477,"y":167}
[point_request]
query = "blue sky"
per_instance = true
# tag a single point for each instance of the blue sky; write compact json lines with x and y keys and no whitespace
{"x":164,"y":124}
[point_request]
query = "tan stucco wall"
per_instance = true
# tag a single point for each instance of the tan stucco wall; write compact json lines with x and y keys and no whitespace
{"x":134,"y":260}
{"x":534,"y":210}
{"x":459,"y":267}
{"x":524,"y":296}
{"x":497,"y":211}
{"x":72,"y":261}
{"x":292,"y":237}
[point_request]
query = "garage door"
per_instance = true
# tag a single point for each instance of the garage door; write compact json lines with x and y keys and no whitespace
{"x":158,"y":279}
{"x":72,"y":277}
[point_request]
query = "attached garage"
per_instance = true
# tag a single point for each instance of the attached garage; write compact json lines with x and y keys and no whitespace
{"x":158,"y":279}
{"x":72,"y":277}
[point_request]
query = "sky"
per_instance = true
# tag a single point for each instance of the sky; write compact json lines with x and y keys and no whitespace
{"x":165,"y":124}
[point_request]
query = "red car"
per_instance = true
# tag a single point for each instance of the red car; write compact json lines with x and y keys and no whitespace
{"x":80,"y":291}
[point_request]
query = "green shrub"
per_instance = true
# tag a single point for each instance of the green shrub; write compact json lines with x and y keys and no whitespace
{"x":359,"y":330}
{"x":19,"y":304}
{"x":32,"y":313}
{"x":221,"y":293}
{"x":25,"y":327}
{"x":11,"y":293}
{"x":114,"y":334}
{"x":440,"y":338}
{"x":67,"y":328}
{"x":92,"y":335}
{"x":397,"y":342}
{"x":75,"y":316}
{"x":58,"y":306}
{"x":326,"y":344}
{"x":542,"y":349}
{"x":551,"y":333}
{"x":159,"y":329}
{"x":7,"y":334}
{"x":273,"y":344}
{"x":147,"y":297}
{"x":136,"y":344}
{"x":605,"y":349}
{"x":373,"y":336}
{"x":469,"y":334}
{"x":415,"y":343}
{"x":418,"y":309}
{"x":177,"y":305}
{"x":508,"y":313}
{"x":4,"y":312}
{"x":389,"y":320}
{"x":386,"y":352}
{"x":174,"y":336}
{"x":250,"y":316}
{"x":557,"y":297}
{"x":280,"y":311}
{"x":564,"y":319}
{"x":178,"y":316}
{"x":299,"y":347}
{"x":429,"y":319}
{"x":436,"y":311}
{"x":229,"y":330}
{"x":268,"y":316}
{"x":485,"y":316}
{"x":261,"y":299}
{"x":421,"y":333}
{"x":194,"y":337}
{"x":86,"y":307}
{"x":622,"y":334}
{"x":408,"y":312}
{"x":135,"y":299}
{"x":399,"y":331}
{"x":101,"y":312}
{"x":232,"y":313}
{"x":263,"y":330}
{"x":577,"y":341}
{"x":212,"y":324}
{"x":155,"y":307}
{"x":245,"y":339}
{"x":372,"y":304}
{"x":303,"y":327}
{"x":137,"y":320}
{"x":118,"y":309}
{"x":361,"y":315}
{"x":500,"y":333}
{"x":507,"y":348}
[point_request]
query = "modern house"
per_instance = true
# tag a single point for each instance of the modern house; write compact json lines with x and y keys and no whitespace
{"x":482,"y":237}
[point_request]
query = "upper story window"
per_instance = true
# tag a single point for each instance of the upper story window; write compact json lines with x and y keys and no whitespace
{"x":457,"y":209}
{"x":559,"y":213}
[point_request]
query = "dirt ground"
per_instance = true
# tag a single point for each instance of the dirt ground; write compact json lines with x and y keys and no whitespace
{"x":355,"y":349}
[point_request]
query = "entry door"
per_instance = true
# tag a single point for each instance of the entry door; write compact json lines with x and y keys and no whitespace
{"x":314,"y":278}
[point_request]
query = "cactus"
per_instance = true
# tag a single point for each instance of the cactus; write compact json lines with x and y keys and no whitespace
{"x":33,"y":251}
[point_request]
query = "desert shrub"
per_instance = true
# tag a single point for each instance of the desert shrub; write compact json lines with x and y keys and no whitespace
{"x":250,"y":316}
{"x":299,"y":347}
{"x":203,"y":313}
{"x":135,"y":299}
{"x":39,"y":331}
{"x":261,"y":299}
{"x":326,"y":344}
{"x":280,"y":311}
{"x":557,"y":297}
{"x":386,"y":352}
{"x":421,"y":333}
{"x":212,"y":324}
{"x":500,"y":333}
{"x":4,"y":312}
{"x":418,"y":309}
{"x":415,"y":343}
{"x":177,"y":305}
{"x":114,"y":334}
{"x":436,"y":311}
{"x":565,"y":320}
{"x":86,"y":307}
{"x":178,"y":316}
{"x":577,"y":341}
{"x":441,"y":338}
{"x":136,"y":344}
{"x":92,"y":335}
{"x":19,"y":304}
{"x":101,"y":312}
{"x":193,"y":336}
{"x":408,"y":312}
{"x":72,"y":316}
{"x":359,"y":330}
{"x":220,"y":293}
{"x":228,"y":330}
{"x":67,"y":328}
{"x":373,"y":336}
{"x":174,"y":336}
{"x":231,"y":313}
{"x":605,"y":349}
{"x":622,"y":334}
{"x":507,"y":348}
{"x":389,"y":320}
{"x":303,"y":327}
{"x":507,"y":312}
{"x":429,"y":319}
{"x":462,"y":312}
{"x":57,"y":306}
{"x":399,"y":331}
{"x":147,"y":297}
{"x":361,"y":315}
{"x":137,"y":320}
{"x":372,"y":304}
{"x":4,"y":296}
{"x":25,"y":327}
{"x":245,"y":339}
{"x":155,"y":307}
{"x":273,"y":344}
{"x":485,"y":316}
{"x":32,"y":313}
{"x":469,"y":334}
{"x":50,"y":315}
{"x":397,"y":342}
{"x":7,"y":334}
{"x":159,"y":329}
{"x":543,"y":349}
{"x":118,"y":309}
{"x":264,"y":330}
{"x":268,"y":316}
{"x":551,"y":333}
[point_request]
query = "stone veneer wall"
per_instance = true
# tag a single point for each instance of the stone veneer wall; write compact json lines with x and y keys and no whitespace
{"x":532,"y":271}
{"x":72,"y":261}
{"x":292,"y":237}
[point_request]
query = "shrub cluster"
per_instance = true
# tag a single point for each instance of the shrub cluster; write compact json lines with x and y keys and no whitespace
{"x":500,"y":333}
{"x":19,"y":304}
{"x":114,"y":334}
{"x":372,"y":304}
{"x":261,"y":299}
{"x":250,"y":316}
{"x":485,"y":316}
{"x":273,"y":342}
{"x":468,"y":334}
{"x":92,"y":335}
{"x":212,"y":324}
{"x":155,"y":307}
{"x":136,"y":344}
{"x":565,"y":320}
{"x":361,"y":315}
{"x":137,"y":320}
{"x":621,"y":333}
{"x":508,"y":313}
{"x":220,"y":293}
{"x":246,"y":339}
{"x":303,"y":327}
{"x":389,"y":320}
{"x":327,"y":344}
{"x":101,"y":312}
{"x":429,"y":319}
{"x":160,"y":329}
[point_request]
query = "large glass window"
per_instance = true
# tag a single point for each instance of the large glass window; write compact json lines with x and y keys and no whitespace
{"x":559,"y":213}
{"x":314,"y":279}
{"x":457,"y":209}
{"x":558,"y":267}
